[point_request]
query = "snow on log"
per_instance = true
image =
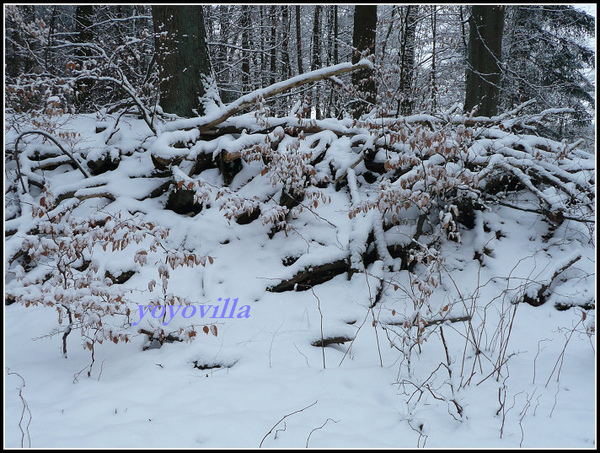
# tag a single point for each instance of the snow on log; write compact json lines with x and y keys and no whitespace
{"x":250,"y":99}
{"x":537,"y":293}
{"x":311,"y":276}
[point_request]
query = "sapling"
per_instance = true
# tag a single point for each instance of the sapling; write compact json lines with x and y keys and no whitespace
{"x":65,"y":272}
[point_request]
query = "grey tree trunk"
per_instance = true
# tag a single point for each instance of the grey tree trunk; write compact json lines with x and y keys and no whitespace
{"x":246,"y":87}
{"x":433,"y":77}
{"x":186,"y":79}
{"x":407,"y":60}
{"x":316,"y":62}
{"x":299,"y":40}
{"x":262,"y":46}
{"x":484,"y":55}
{"x":332,"y":58}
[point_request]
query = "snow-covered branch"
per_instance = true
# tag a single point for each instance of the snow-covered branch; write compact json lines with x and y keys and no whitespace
{"x":218,"y":116}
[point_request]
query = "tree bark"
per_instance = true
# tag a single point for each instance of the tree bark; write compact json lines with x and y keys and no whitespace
{"x":246,"y":87}
{"x":332,"y":58}
{"x":316,"y":62}
{"x":363,"y":40}
{"x":83,"y":35}
{"x":407,"y":60}
{"x":185,"y":73}
{"x":484,"y":56}
{"x":262,"y":46}
{"x":311,"y":276}
{"x":298,"y":40}
{"x":285,"y":39}
{"x":274,"y":24}
{"x":433,"y":78}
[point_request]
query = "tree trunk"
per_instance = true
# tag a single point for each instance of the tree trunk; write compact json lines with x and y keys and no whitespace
{"x":433,"y":78}
{"x":386,"y":40}
{"x":17,"y":60}
{"x":83,"y":34}
{"x":336,"y":45}
{"x":316,"y":40}
{"x":363,"y":40}
{"x":407,"y":60}
{"x":484,"y":54}
{"x":316,"y":62}
{"x":48,"y":61}
{"x":285,"y":39}
{"x":221,"y":62}
{"x":246,"y":87}
{"x":187,"y":83}
{"x":517,"y":51}
{"x":274,"y":24}
{"x":332,"y":58}
{"x":298,"y":40}
{"x":262,"y":46}
{"x":205,"y":124}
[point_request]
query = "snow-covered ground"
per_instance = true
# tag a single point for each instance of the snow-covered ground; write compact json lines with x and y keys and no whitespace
{"x":531,"y":383}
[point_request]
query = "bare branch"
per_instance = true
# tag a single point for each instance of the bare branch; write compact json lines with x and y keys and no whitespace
{"x":282,"y":419}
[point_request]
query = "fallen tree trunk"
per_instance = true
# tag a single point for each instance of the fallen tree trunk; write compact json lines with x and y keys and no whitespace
{"x":321,"y":343}
{"x":311,"y":276}
{"x":53,"y":140}
{"x":210,"y":121}
{"x":538,"y":295}
{"x":431,"y":322}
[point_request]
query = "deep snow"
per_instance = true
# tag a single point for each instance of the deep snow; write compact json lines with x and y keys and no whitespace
{"x":369,"y":394}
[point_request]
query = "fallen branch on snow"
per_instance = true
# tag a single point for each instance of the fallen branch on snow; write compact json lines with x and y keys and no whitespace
{"x":210,"y":121}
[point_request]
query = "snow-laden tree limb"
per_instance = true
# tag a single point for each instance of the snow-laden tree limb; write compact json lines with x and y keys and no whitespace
{"x":53,"y":140}
{"x":218,"y":116}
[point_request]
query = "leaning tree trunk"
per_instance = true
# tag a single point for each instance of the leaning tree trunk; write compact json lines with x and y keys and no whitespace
{"x":186,"y":79}
{"x":484,"y":56}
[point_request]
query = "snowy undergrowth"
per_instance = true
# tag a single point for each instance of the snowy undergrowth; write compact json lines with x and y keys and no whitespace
{"x":497,"y":373}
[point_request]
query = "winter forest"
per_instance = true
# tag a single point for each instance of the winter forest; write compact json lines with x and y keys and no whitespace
{"x":299,"y":226}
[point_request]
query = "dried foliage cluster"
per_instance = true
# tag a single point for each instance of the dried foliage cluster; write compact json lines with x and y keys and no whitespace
{"x":60,"y":264}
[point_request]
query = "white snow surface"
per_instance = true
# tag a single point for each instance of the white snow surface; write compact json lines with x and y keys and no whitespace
{"x":359,"y":394}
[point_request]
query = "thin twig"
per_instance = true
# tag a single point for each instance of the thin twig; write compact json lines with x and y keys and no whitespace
{"x":320,"y":427}
{"x":282,"y":419}
{"x":320,"y":314}
{"x":25,"y":409}
{"x":561,"y":356}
